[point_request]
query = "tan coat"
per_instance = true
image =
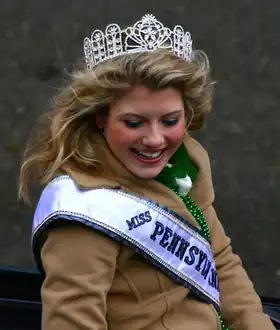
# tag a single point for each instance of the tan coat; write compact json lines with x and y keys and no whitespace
{"x":95,"y":283}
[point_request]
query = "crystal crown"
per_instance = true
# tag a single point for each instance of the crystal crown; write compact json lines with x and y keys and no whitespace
{"x":146,"y":35}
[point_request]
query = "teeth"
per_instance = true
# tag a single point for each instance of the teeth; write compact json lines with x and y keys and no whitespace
{"x":149,"y":155}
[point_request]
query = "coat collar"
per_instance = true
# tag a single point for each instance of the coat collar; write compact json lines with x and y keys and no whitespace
{"x":202,"y":191}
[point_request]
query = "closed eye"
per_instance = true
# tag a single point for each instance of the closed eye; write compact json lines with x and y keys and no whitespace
{"x":132,"y":123}
{"x":170,"y":122}
{"x":137,"y":123}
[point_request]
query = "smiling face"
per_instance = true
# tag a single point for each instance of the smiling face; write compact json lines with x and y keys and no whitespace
{"x":144,"y":128}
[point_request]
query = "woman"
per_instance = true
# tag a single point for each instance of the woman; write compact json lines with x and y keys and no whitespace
{"x":125,"y":231}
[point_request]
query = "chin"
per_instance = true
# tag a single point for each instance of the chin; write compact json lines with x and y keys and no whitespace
{"x":148,"y":175}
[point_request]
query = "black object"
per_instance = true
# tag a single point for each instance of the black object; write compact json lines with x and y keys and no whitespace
{"x":20,"y":306}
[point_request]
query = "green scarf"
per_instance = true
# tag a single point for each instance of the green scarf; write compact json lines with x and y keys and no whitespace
{"x":181,"y":165}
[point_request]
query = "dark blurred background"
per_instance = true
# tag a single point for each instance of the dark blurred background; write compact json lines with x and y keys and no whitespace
{"x":40,"y":42}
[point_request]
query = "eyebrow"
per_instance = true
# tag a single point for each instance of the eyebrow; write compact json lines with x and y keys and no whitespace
{"x":134,"y":114}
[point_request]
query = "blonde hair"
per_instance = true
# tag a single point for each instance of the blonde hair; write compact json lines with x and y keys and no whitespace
{"x":66,"y":134}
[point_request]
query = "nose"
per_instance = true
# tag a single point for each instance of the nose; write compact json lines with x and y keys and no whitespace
{"x":154,"y":138}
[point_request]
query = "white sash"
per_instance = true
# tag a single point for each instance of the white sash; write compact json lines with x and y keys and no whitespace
{"x":156,"y":232}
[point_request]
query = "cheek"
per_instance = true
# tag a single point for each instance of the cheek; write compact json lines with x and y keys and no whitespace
{"x":176,"y":135}
{"x":120,"y":135}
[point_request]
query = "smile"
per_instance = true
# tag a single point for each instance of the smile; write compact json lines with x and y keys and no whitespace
{"x":148,"y":157}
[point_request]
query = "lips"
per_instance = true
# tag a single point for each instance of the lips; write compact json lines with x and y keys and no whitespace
{"x":149,"y":157}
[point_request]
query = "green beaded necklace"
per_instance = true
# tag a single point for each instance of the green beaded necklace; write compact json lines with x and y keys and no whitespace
{"x":180,"y":166}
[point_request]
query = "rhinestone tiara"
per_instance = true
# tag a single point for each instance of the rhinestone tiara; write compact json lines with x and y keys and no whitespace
{"x":145,"y":35}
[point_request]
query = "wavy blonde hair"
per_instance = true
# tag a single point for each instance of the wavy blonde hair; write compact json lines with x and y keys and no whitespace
{"x":66,"y":134}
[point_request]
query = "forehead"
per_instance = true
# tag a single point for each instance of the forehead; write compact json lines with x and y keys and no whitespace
{"x":143,"y":100}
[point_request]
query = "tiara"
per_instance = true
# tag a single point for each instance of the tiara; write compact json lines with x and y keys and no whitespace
{"x":145,"y":35}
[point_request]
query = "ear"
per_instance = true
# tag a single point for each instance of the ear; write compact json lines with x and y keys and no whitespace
{"x":100,"y":121}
